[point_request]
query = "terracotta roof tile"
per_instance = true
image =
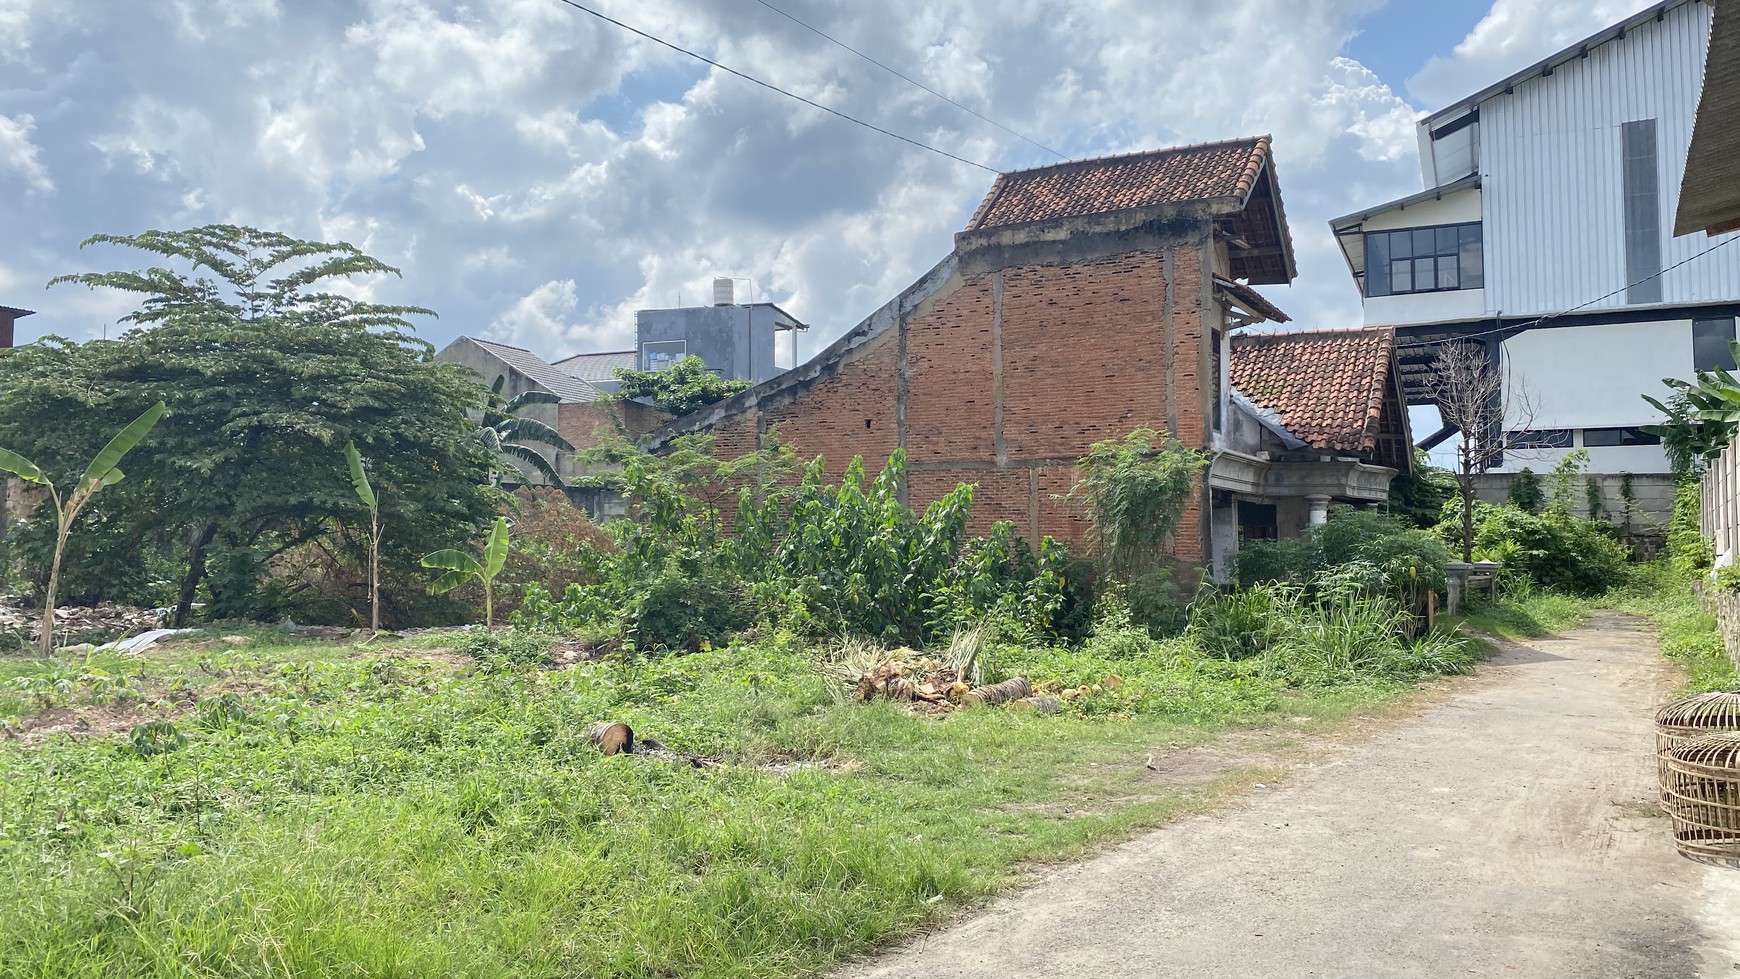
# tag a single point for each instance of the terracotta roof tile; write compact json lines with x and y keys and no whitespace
{"x":1185,"y":173}
{"x":1326,"y":386}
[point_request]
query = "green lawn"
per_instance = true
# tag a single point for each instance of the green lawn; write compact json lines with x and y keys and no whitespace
{"x":332,"y":810}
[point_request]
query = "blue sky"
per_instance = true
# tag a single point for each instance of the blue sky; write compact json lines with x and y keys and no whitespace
{"x":539,"y":175}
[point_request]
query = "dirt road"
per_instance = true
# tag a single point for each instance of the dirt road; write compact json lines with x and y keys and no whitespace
{"x":1506,"y":831}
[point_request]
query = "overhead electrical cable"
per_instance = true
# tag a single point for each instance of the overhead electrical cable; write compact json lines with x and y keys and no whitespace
{"x":907,"y":78}
{"x":1564,"y":312}
{"x":775,"y":88}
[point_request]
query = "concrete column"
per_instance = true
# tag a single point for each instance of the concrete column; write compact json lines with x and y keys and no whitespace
{"x":1319,"y":510}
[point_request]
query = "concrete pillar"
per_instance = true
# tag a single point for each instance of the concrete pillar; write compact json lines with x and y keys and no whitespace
{"x":1319,"y":510}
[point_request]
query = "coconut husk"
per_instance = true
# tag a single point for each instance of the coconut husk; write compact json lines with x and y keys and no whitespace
{"x":998,"y":693}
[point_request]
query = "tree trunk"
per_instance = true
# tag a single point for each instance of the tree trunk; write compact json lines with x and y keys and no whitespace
{"x":195,"y":571}
{"x":488,"y":606}
{"x":375,"y":575}
{"x":1467,"y":518}
{"x":45,"y":643}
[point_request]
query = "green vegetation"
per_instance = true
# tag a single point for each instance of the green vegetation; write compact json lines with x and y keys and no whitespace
{"x":459,"y":568}
{"x":277,"y":809}
{"x":506,"y":432}
{"x":1688,"y":633}
{"x":685,"y":386}
{"x":104,"y":470}
{"x":267,"y":371}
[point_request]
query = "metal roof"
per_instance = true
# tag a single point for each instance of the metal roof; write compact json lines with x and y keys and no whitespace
{"x":1545,"y":66}
{"x":599,"y":366}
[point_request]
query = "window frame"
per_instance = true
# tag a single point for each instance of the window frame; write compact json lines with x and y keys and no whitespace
{"x":1703,"y":321}
{"x":1629,"y":437}
{"x":1539,"y":438}
{"x":1397,"y":240}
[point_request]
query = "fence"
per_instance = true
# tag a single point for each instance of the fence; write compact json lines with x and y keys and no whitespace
{"x":1719,"y":519}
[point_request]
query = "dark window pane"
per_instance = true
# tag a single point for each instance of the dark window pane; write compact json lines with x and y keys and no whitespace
{"x":1425,"y":241}
{"x":1446,"y":241}
{"x":1447,"y":278}
{"x":1473,"y":268}
{"x":1638,"y":173}
{"x":1424,"y":276}
{"x":1377,"y":264}
{"x":1599,"y":437}
{"x":1402,"y":276}
{"x":1545,"y":438}
{"x":1710,"y":336}
{"x":1634,"y":436}
{"x":1401,"y":244}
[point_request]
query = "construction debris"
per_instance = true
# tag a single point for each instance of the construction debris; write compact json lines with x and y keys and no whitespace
{"x":76,"y":621}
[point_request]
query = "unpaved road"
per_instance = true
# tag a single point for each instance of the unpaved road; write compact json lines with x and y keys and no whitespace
{"x":1506,"y":831}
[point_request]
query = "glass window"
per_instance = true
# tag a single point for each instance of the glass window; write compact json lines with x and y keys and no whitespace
{"x":1435,"y":259}
{"x":1473,"y":269}
{"x":1543,"y":438}
{"x":1447,"y":272}
{"x":1710,"y":337}
{"x":1604,"y":437}
{"x":1377,"y":265}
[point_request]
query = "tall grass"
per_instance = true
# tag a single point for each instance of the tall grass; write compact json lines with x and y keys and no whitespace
{"x":1688,"y":634}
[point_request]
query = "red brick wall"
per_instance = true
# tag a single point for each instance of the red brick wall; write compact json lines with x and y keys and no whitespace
{"x":586,"y":425}
{"x":1079,"y":353}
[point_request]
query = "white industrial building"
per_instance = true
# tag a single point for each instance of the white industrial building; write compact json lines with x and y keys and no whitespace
{"x":1545,"y":233}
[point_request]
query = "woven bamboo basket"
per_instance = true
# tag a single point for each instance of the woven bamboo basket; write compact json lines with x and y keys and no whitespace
{"x":1704,"y":799}
{"x":1687,"y":720}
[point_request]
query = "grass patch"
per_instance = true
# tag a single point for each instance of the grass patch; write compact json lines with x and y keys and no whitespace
{"x":1688,"y":634}
{"x":327,"y":809}
{"x":1528,"y":614}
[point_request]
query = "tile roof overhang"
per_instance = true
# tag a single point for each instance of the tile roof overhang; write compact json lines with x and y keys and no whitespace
{"x":1230,"y":183}
{"x":1325,"y":387}
{"x":1710,"y":192}
{"x":1248,"y":300}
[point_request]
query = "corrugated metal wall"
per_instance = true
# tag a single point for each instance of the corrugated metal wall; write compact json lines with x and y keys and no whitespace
{"x":1552,"y":173}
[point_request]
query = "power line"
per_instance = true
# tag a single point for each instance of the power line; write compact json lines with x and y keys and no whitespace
{"x":775,"y":88}
{"x":1563,"y":312}
{"x":974,"y":112}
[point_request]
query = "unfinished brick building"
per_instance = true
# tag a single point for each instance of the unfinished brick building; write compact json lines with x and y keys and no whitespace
{"x":1082,"y":301}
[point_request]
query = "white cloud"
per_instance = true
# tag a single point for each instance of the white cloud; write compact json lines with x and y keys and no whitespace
{"x":540,"y":175}
{"x":1513,"y":35}
{"x":19,"y":154}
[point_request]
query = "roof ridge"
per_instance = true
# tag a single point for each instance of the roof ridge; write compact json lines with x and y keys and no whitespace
{"x":1308,"y":332}
{"x":504,"y":346}
{"x":1133,"y":154}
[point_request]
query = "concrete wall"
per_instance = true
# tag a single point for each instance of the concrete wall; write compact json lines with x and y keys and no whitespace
{"x":736,"y":341}
{"x":1653,"y":492}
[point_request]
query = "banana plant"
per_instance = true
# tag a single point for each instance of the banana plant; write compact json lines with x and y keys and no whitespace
{"x":359,"y":480}
{"x":104,"y":470}
{"x":461,"y":567}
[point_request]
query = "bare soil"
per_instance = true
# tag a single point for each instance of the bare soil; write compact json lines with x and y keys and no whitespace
{"x":1503,"y":826}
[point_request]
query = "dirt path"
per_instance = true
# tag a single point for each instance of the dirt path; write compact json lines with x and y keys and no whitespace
{"x":1506,"y":831}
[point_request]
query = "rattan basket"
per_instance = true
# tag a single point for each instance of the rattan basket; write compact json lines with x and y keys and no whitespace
{"x":1704,"y":799}
{"x":1686,"y":720}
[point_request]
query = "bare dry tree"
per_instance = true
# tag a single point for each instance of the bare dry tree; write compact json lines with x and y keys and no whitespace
{"x":1488,"y":412}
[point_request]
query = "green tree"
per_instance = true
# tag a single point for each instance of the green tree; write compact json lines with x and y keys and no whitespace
{"x":505,"y":432}
{"x":267,"y":373}
{"x":104,"y":470}
{"x":461,"y":567}
{"x":359,"y":481}
{"x":683,"y":387}
{"x":1134,"y":490}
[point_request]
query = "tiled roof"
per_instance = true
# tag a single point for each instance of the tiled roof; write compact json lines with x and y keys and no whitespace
{"x":565,"y":386}
{"x":1324,"y":386}
{"x":597,"y":367}
{"x":1113,"y":183}
{"x":1250,"y":300}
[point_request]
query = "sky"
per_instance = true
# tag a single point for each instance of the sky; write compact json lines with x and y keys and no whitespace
{"x":538,"y":174}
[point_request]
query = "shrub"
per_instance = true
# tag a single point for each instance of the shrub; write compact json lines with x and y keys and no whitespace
{"x":1245,"y":622}
{"x":691,"y":604}
{"x":1363,"y":548}
{"x":1689,"y":552}
{"x":1555,"y":549}
{"x":1525,"y":491}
